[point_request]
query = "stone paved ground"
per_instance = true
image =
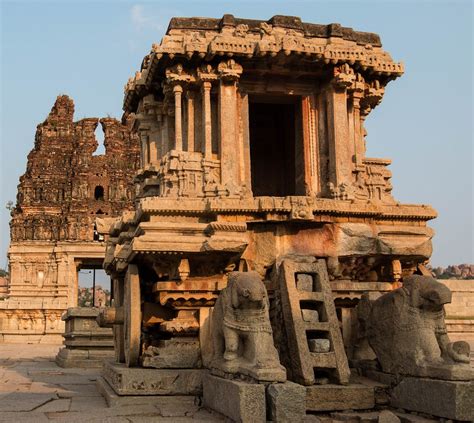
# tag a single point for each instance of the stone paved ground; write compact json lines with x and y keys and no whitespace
{"x":34,"y":389}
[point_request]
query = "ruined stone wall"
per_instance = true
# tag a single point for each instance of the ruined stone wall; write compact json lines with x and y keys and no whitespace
{"x":65,"y":187}
{"x":64,"y":200}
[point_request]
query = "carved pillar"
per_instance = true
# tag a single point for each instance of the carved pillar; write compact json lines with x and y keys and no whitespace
{"x":206,"y":75}
{"x":357,"y":91}
{"x":340,"y":148}
{"x":206,"y":119}
{"x":229,"y":73}
{"x":178,"y":126}
{"x":145,"y":150}
{"x":244,"y":141}
{"x":310,"y":146}
{"x":190,"y":120}
{"x":164,"y":132}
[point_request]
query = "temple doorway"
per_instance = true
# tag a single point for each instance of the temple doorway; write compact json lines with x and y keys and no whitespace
{"x":274,"y":142}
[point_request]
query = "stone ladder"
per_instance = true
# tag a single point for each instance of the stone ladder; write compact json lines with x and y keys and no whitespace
{"x":312,"y":327}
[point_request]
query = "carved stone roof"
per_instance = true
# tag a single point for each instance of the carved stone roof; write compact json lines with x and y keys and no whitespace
{"x":277,"y":21}
{"x":198,"y":40}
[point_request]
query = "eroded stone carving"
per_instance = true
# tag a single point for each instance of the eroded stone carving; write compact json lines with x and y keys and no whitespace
{"x":406,"y":329}
{"x":241,"y":330}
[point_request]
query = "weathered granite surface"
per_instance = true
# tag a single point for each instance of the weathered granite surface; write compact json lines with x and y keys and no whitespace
{"x":240,"y":401}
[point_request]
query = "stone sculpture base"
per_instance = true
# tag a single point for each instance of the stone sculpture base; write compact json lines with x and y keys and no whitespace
{"x":339,"y":397}
{"x":87,"y":359}
{"x":86,"y":344}
{"x":228,"y":370}
{"x":114,"y":400}
{"x":240,"y":401}
{"x":139,"y":381}
{"x":440,"y":398}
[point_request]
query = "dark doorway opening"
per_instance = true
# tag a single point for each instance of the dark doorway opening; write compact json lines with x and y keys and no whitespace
{"x":99,"y":193}
{"x":273,"y":140}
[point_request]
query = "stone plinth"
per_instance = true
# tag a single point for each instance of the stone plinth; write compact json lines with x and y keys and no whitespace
{"x":337,"y":397}
{"x":86,"y":344}
{"x":240,"y":401}
{"x":440,"y":398}
{"x":138,"y":381}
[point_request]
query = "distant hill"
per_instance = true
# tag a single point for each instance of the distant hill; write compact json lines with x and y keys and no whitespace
{"x":459,"y":271}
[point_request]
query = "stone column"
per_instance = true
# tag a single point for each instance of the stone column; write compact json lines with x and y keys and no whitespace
{"x":164,"y":133}
{"x":340,"y":157}
{"x":178,"y":128}
{"x":229,"y":73}
{"x":145,"y":147}
{"x":190,"y":119}
{"x":357,"y":92}
{"x":206,"y":119}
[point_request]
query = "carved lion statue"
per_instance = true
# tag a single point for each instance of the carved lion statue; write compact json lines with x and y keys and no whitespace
{"x":407,"y":331}
{"x":241,"y":330}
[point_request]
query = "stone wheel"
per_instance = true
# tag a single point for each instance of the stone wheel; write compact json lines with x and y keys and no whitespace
{"x":132,"y":316}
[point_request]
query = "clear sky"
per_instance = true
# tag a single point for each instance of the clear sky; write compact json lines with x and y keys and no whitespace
{"x":89,"y":49}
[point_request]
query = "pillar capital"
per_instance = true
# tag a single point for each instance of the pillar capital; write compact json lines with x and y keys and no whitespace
{"x":229,"y":70}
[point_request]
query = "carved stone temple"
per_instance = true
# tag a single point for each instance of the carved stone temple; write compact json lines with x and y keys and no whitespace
{"x":254,"y":168}
{"x":60,"y":221}
{"x":260,"y":265}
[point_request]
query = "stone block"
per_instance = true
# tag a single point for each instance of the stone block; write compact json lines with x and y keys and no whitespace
{"x":139,"y":381}
{"x":310,"y":315}
{"x":338,"y":397}
{"x":286,"y":402}
{"x":440,"y":398}
{"x":240,"y":401}
{"x":70,"y":358}
{"x":304,"y":282}
{"x":319,"y":345}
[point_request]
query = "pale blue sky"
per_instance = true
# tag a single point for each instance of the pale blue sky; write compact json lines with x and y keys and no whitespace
{"x":89,"y":49}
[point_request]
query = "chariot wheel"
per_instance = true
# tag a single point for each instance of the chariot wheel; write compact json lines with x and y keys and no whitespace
{"x":132,"y":316}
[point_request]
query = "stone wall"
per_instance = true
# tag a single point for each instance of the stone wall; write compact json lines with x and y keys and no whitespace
{"x":460,"y":313}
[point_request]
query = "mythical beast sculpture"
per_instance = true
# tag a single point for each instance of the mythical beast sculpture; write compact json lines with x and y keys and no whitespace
{"x":407,"y":331}
{"x":241,"y":330}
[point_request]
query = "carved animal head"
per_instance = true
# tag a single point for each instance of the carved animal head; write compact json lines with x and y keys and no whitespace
{"x":426,"y":292}
{"x":247,"y":290}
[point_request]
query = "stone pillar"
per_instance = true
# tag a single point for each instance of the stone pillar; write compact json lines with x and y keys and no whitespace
{"x":340,"y":161}
{"x":178,"y":127}
{"x":164,"y":133}
{"x":244,"y":141}
{"x":357,"y":92}
{"x":229,"y":73}
{"x":206,"y":119}
{"x":190,"y":119}
{"x":144,"y":148}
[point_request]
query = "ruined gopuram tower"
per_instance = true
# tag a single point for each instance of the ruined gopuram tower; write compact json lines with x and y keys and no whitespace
{"x":252,"y":151}
{"x":65,"y":198}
